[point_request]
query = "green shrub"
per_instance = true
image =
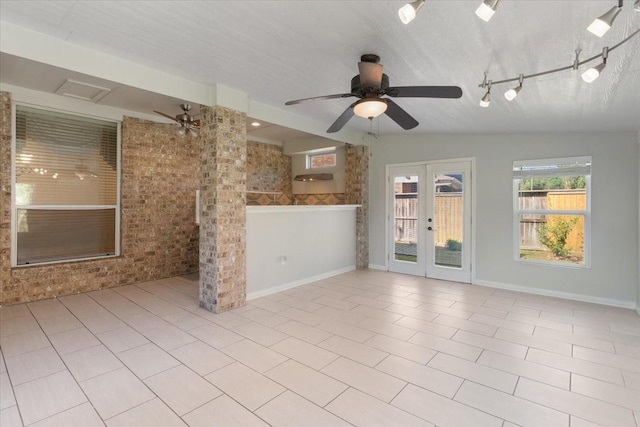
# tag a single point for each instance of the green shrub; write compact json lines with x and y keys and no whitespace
{"x":453,"y":245}
{"x":554,"y":235}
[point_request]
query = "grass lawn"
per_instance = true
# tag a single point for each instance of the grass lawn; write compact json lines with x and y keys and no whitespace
{"x":409,"y":258}
{"x":548,"y":256}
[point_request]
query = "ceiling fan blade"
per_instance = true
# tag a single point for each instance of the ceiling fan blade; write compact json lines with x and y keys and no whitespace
{"x":370,"y":74}
{"x":342,"y":120}
{"x":400,"y":116}
{"x":424,"y":92}
{"x":319,"y":98}
{"x":166,"y":115}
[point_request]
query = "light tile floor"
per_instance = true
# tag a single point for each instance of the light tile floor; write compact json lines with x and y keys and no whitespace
{"x":366,"y":348}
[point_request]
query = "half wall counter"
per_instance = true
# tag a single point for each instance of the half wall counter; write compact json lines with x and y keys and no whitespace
{"x":291,"y":245}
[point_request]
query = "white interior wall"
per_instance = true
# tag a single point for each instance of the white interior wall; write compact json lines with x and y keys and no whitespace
{"x":613,"y":275}
{"x":291,"y":245}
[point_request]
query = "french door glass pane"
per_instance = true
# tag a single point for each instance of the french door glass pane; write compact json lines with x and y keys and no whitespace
{"x":448,"y":219}
{"x":56,"y":235}
{"x":405,"y":189}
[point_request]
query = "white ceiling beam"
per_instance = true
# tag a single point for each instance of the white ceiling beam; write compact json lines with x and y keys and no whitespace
{"x":39,"y":47}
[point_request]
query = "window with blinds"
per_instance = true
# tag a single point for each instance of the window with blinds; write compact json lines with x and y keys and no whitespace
{"x":552,"y":214}
{"x":66,"y":191}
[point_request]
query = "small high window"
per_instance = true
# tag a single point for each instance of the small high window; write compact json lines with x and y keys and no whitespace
{"x":321,"y":160}
{"x":551,"y":210}
{"x":66,"y":193}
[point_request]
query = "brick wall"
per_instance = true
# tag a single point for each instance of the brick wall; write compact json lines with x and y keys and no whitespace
{"x":160,"y":173}
{"x":268,"y":175}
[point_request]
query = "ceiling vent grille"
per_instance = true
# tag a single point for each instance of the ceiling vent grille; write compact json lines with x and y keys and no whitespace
{"x":84,"y":91}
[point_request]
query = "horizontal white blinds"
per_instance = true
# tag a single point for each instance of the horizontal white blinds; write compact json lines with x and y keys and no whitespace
{"x":579,"y":166}
{"x":66,"y":188}
{"x":57,"y":235}
{"x":64,"y":160}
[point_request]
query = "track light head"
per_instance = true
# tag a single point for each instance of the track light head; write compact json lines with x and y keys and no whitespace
{"x":511,"y":94}
{"x":594,"y":72}
{"x":486,"y":9}
{"x":486,"y":99}
{"x":603,"y":23}
{"x":409,"y":11}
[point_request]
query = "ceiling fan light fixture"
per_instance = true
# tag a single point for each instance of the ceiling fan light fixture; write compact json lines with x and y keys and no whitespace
{"x":486,"y":9}
{"x":408,"y":12}
{"x":603,"y":23}
{"x":181,"y":132}
{"x":370,"y":108}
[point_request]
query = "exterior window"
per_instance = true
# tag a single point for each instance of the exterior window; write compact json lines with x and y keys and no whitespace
{"x":321,"y":160}
{"x":66,"y":193}
{"x":552,"y":210}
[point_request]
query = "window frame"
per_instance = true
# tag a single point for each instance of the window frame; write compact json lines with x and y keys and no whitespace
{"x":14,"y":207}
{"x":309,"y":157}
{"x":586,"y":213}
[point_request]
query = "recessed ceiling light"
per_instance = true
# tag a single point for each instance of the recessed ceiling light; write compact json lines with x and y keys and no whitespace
{"x":255,"y":124}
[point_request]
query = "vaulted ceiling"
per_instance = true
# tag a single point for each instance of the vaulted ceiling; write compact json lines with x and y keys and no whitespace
{"x":275,"y":51}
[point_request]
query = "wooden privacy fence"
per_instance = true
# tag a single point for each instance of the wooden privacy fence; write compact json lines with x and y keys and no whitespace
{"x":556,"y":200}
{"x":447,"y":222}
{"x":448,"y":219}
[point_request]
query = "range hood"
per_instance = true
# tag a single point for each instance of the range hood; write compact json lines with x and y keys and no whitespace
{"x":314,"y":177}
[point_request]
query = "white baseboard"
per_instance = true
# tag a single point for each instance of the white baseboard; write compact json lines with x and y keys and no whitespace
{"x":558,"y":294}
{"x":285,"y":286}
{"x":378,"y":267}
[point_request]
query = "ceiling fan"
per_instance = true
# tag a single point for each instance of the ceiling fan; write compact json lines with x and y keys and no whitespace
{"x":186,"y":122}
{"x":370,"y":85}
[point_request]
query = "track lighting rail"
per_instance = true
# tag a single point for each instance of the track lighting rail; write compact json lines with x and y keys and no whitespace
{"x":556,"y":70}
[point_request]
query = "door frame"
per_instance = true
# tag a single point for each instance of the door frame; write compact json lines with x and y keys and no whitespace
{"x":424,"y":163}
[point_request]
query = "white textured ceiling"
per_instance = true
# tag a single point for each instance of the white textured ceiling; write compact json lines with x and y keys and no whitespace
{"x":275,"y":51}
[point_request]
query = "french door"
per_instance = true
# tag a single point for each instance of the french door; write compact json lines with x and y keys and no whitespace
{"x":429,"y":220}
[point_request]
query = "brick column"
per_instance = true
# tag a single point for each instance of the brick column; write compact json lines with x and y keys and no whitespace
{"x":8,"y":292}
{"x":223,"y":176}
{"x":357,"y":193}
